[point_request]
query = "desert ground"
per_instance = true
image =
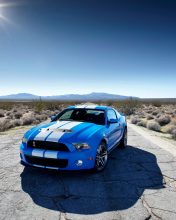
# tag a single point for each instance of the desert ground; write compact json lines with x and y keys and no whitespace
{"x":138,"y":183}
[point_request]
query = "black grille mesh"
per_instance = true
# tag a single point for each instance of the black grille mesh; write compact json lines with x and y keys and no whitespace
{"x":48,"y":145}
{"x":60,"y":163}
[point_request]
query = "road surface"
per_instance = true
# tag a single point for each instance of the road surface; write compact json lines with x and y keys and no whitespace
{"x":138,"y":183}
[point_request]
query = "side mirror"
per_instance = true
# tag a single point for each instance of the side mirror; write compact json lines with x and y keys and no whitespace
{"x":113,"y":121}
{"x":52,"y":117}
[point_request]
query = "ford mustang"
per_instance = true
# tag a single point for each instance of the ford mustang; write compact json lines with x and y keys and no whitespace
{"x":79,"y":137}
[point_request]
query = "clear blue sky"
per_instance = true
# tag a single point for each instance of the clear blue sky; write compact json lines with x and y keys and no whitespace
{"x":54,"y":47}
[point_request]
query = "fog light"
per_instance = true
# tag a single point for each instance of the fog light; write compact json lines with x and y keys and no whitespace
{"x":79,"y":162}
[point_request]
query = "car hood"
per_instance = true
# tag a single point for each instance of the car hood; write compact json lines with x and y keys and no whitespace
{"x":72,"y":132}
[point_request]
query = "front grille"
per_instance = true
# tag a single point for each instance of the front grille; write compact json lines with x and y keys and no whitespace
{"x":48,"y":145}
{"x":60,"y":163}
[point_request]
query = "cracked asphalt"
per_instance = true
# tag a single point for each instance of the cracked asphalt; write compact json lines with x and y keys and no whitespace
{"x":138,"y":183}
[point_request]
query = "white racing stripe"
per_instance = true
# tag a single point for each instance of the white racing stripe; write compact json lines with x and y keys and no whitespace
{"x":80,"y":106}
{"x":43,"y":134}
{"x":55,"y":136}
{"x":51,"y":154}
{"x":91,"y":106}
{"x":38,"y":152}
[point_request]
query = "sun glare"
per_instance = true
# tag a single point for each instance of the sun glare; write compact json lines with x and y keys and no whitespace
{"x":3,"y":18}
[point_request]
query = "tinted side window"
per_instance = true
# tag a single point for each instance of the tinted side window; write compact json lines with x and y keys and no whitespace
{"x":111,"y":114}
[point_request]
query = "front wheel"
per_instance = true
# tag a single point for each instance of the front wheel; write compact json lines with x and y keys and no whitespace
{"x":101,"y":158}
{"x":123,"y":142}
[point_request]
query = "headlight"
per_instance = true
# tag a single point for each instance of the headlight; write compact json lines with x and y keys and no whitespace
{"x":81,"y":146}
{"x":24,"y":140}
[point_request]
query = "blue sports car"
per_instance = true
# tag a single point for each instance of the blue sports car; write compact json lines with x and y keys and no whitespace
{"x":79,"y":137}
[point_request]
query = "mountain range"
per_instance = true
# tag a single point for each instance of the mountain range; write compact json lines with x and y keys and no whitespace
{"x":91,"y":96}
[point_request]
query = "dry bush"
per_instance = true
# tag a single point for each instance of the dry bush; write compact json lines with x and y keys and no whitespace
{"x":1,"y":113}
{"x":28,"y":120}
{"x":44,"y":117}
{"x":38,"y":117}
{"x":5,"y":124}
{"x":17,"y":122}
{"x":153,"y":125}
{"x":155,"y":112}
{"x":173,"y":122}
{"x":134,"y":120}
{"x":14,"y":110}
{"x":163,"y":120}
{"x":8,"y":117}
{"x":142,"y":123}
{"x":149,"y":111}
{"x":128,"y":106}
{"x":11,"y":115}
{"x":18,"y":115}
{"x":157,"y":103}
{"x":8,"y":113}
{"x":170,"y":128}
{"x":41,"y":117}
{"x":54,"y":113}
{"x":174,"y":134}
{"x":150,"y":117}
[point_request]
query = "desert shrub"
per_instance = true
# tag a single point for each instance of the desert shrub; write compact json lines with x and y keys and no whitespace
{"x":44,"y":117}
{"x":173,"y":122}
{"x":163,"y":120}
{"x":38,"y":117}
{"x":18,"y":115}
{"x":11,"y":115}
{"x":28,"y":120}
{"x":128,"y":106}
{"x":174,"y":134}
{"x":149,"y":111}
{"x":170,"y":112}
{"x":39,"y":105}
{"x":142,"y":123}
{"x":153,"y":125}
{"x":134,"y":120}
{"x":110,"y":102}
{"x":5,"y":124}
{"x":17,"y":122}
{"x":170,"y":128}
{"x":157,"y":103}
{"x":8,"y":113}
{"x":14,"y":110}
{"x":150,"y":117}
{"x":155,"y":112}
{"x":41,"y":117}
{"x":1,"y":113}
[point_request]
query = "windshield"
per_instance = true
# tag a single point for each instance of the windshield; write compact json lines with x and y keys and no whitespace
{"x":84,"y":115}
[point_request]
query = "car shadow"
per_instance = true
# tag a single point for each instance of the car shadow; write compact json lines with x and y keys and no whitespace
{"x":129,"y":172}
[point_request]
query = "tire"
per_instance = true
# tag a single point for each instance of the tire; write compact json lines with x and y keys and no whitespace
{"x":101,"y":158}
{"x":123,"y":142}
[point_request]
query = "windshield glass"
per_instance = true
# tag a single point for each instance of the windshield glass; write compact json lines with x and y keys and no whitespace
{"x":84,"y":115}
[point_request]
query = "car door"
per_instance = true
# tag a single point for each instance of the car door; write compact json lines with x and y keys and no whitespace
{"x":113,"y":129}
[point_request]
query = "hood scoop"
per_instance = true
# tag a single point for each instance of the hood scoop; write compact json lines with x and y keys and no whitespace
{"x":56,"y":130}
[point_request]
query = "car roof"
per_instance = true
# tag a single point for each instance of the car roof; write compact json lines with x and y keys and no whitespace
{"x":89,"y":107}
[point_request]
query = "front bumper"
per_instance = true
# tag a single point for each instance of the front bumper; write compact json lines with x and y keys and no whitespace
{"x":72,"y":158}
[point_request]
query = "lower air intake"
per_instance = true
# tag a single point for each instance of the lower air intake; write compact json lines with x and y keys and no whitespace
{"x":60,"y":163}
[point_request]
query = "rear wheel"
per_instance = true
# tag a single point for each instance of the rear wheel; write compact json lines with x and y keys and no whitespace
{"x":101,"y":158}
{"x":123,"y":142}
